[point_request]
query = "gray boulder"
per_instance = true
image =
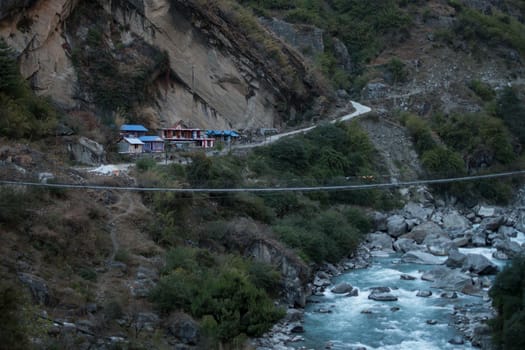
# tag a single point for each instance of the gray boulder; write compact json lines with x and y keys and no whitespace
{"x":492,"y":223}
{"x":404,"y":245}
{"x":342,"y":288}
{"x":455,"y":222}
{"x":508,"y":231}
{"x":37,"y":286}
{"x":451,"y":280}
{"x":419,"y":232}
{"x":419,"y":257}
{"x":479,"y":264}
{"x":455,"y":259}
{"x":510,"y":248}
{"x":407,"y":277}
{"x":479,"y":238}
{"x":184,"y":328}
{"x":396,"y":226}
{"x":486,"y":211}
{"x":424,"y":293}
{"x":417,"y":211}
{"x":381,"y":296}
{"x":379,"y":240}
{"x":353,"y":293}
{"x":460,"y":241}
{"x":435,"y":274}
{"x":438,"y":245}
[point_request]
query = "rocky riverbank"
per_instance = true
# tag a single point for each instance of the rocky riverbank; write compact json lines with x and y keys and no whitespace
{"x":468,"y":246}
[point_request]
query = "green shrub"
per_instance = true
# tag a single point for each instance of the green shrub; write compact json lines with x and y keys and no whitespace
{"x":483,"y":90}
{"x":397,"y":70}
{"x":420,"y":131}
{"x":508,"y":298}
{"x":327,"y":236}
{"x":494,"y":29}
{"x":470,"y":133}
{"x":145,"y":164}
{"x":442,"y":163}
{"x":224,"y":293}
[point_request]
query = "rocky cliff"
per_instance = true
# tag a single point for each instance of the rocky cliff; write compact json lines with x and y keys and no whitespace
{"x":211,"y":74}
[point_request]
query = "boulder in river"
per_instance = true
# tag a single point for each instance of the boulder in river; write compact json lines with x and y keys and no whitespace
{"x":455,"y":222}
{"x":378,"y":296}
{"x":418,"y":257}
{"x":342,"y":288}
{"x":424,"y":293}
{"x":510,"y":248}
{"x":406,"y":277}
{"x":404,"y":245}
{"x":440,"y":246}
{"x":493,"y":223}
{"x":379,"y":240}
{"x":396,"y":225}
{"x":479,"y":264}
{"x":447,"y":279}
{"x":417,"y":211}
{"x":419,"y":232}
{"x":479,"y":238}
{"x":455,"y":259}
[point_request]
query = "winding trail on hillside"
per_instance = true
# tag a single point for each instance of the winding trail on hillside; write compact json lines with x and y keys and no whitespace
{"x":359,"y":110}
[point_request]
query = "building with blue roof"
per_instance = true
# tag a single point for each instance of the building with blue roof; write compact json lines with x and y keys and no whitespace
{"x":152,"y":144}
{"x":133,"y":130}
{"x":223,"y":135}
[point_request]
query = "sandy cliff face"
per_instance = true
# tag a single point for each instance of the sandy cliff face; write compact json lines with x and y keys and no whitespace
{"x":215,"y":91}
{"x":216,"y":80}
{"x":37,"y":33}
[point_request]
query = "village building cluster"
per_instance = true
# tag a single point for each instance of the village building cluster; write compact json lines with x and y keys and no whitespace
{"x":134,"y":139}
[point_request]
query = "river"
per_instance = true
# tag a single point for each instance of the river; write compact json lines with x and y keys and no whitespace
{"x":412,"y":322}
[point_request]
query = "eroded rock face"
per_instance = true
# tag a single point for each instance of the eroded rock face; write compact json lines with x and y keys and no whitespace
{"x":45,"y":60}
{"x":86,"y":151}
{"x":307,"y":39}
{"x":295,"y":274}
